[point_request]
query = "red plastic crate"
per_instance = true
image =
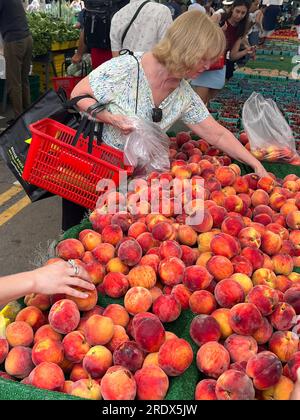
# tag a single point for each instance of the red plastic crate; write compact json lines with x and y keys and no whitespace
{"x":66,"y":82}
{"x":55,"y":165}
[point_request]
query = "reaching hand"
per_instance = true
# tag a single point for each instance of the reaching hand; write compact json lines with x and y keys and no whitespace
{"x":77,"y":58}
{"x":261,"y":171}
{"x":59,"y":278}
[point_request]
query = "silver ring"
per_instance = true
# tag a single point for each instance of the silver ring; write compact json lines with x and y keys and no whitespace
{"x":74,"y":266}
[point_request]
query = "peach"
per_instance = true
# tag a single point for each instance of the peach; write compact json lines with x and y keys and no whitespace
{"x":187,"y":235}
{"x":78,"y":373}
{"x":222,"y":316}
{"x":263,"y":219}
{"x":152,"y":383}
{"x":292,"y":366}
{"x":196,"y":278}
{"x":277,"y":200}
{"x":171,"y":271}
{"x":204,"y":328}
{"x":262,"y":209}
{"x":232,"y":225}
{"x":218,"y":197}
{"x":283,"y":264}
{"x":202,"y":302}
{"x":148,"y":332}
{"x":283,"y":317}
{"x":170,"y":249}
{"x":152,"y":260}
{"x":162,"y":231}
{"x":227,"y":191}
{"x":283,"y":283}
{"x":233,"y":203}
{"x":98,"y":330}
{"x":220,"y":267}
{"x":104,"y":252}
{"x":70,"y":249}
{"x":123,"y":219}
{"x":117,"y":313}
{"x":225,"y":175}
{"x":271,"y":243}
{"x":267,"y":184}
{"x":118,"y":384}
{"x":234,"y":385}
{"x":242,"y":265}
{"x":99,"y":220}
{"x":265,"y":298}
{"x":167,"y":308}
{"x":264,"y":276}
{"x":40,"y":301}
{"x":137,"y":299}
{"x":292,"y":296}
{"x":279,"y":230}
{"x":212,"y":359}
{"x":259,"y":197}
{"x":143,"y":276}
{"x":280,"y":392}
{"x":115,"y":284}
{"x":33,"y":316}
{"x":147,"y":241}
{"x":225,"y":245}
{"x":265,"y":369}
{"x":263,"y":334}
{"x":19,"y":333}
{"x":4,"y":349}
{"x":129,"y":355}
{"x":151,"y":360}
{"x":155,"y":292}
{"x":46,"y":331}
{"x":229,"y":293}
{"x":175,"y":356}
{"x":115,"y":265}
{"x":112,"y":234}
{"x":85,"y":304}
{"x":86,"y":388}
{"x":245,"y":319}
{"x":293,"y":219}
{"x":47,"y":376}
{"x":136,"y":229}
{"x":75,"y":346}
{"x":288,"y":208}
{"x":218,"y":214}
{"x":189,"y":255}
{"x":90,"y":239}
{"x":284,"y":344}
{"x":252,"y":180}
{"x":120,"y":336}
{"x":18,"y":362}
{"x":268,"y":263}
{"x":203,"y":258}
{"x":96,"y":361}
{"x":241,"y":184}
{"x":204,"y":241}
{"x":241,"y":348}
{"x":207,"y":222}
{"x":48,"y":351}
{"x":295,"y":238}
{"x":97,"y":310}
{"x":96,"y":272}
{"x":206,"y":390}
{"x":244,"y":281}
{"x":182,"y":294}
{"x":249,"y":237}
{"x":88,"y":258}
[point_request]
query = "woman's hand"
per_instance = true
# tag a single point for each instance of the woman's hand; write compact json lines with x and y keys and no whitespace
{"x":122,"y":123}
{"x":261,"y":171}
{"x":59,"y":278}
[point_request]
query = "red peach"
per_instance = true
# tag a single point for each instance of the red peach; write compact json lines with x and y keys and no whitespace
{"x":242,"y":265}
{"x":99,"y":220}
{"x":78,"y":373}
{"x":70,"y":249}
{"x":143,"y":276}
{"x":280,"y":392}
{"x":96,"y":361}
{"x":129,"y":355}
{"x":220,"y":267}
{"x":189,"y":255}
{"x":265,"y":369}
{"x":264,"y":276}
{"x":204,"y":328}
{"x":225,"y":175}
{"x":283,"y":317}
{"x":196,"y":278}
{"x":117,"y":313}
{"x":202,"y":302}
{"x":232,"y":225}
{"x":75,"y":346}
{"x":152,"y":383}
{"x":213,"y":359}
{"x":130,"y":252}
{"x":151,"y":260}
{"x":136,"y":229}
{"x":171,"y":271}
{"x":225,"y":245}
{"x":18,"y":362}
{"x":19,"y":333}
{"x":167,"y":308}
{"x":241,"y":348}
{"x":147,"y":241}
{"x":137,"y":300}
{"x":284,"y":344}
{"x":206,"y":390}
{"x":46,"y":331}
{"x":222,"y":316}
{"x":254,"y":256}
{"x":48,"y":350}
{"x":245,"y":319}
{"x":283,"y":264}
{"x":90,"y":239}
{"x":259,"y":197}
{"x":118,"y":338}
{"x":118,"y":384}
{"x":292,"y":297}
{"x":4,"y":349}
{"x":86,"y":388}
{"x":175,"y":356}
{"x":228,"y":293}
{"x":182,"y":295}
{"x":115,"y":265}
{"x":148,"y":332}
{"x":249,"y":237}
{"x":170,"y":249}
{"x":33,"y":316}
{"x":104,"y":252}
{"x":293,"y":219}
{"x":263,"y":334}
{"x":234,"y":385}
{"x":40,"y":301}
{"x":292,"y":367}
{"x":115,"y":284}
{"x":265,"y":298}
{"x":47,"y":376}
{"x":267,"y":184}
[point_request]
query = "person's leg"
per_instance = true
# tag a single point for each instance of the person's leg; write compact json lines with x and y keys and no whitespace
{"x":26,"y":99}
{"x":203,"y":92}
{"x":13,"y":75}
{"x":72,"y":214}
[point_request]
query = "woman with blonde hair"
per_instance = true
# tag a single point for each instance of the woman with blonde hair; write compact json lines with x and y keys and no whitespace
{"x":153,"y":86}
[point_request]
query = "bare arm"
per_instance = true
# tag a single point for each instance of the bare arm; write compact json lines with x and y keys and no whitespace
{"x":221,"y":138}
{"x":235,"y":54}
{"x":51,"y":279}
{"x":82,"y":48}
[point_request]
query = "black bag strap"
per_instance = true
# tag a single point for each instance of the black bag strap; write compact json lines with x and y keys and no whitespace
{"x":133,"y":19}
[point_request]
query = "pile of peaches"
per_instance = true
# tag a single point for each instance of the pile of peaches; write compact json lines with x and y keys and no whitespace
{"x":235,"y":271}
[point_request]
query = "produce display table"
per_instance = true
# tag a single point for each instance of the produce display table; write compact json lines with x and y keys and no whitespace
{"x":181,"y":387}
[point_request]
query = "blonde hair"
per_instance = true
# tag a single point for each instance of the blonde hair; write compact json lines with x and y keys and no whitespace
{"x":192,"y":37}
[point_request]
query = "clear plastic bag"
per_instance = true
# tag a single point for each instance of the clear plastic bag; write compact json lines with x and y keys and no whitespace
{"x":269,"y":134}
{"x":146,"y":148}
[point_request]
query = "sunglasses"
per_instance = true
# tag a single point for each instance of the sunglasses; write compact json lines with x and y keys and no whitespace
{"x":156,"y":115}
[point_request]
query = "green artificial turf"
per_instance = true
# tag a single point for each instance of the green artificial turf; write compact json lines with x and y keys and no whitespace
{"x":276,"y":63}
{"x":181,"y":387}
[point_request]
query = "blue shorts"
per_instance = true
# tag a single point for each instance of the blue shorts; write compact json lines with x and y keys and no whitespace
{"x":214,"y":79}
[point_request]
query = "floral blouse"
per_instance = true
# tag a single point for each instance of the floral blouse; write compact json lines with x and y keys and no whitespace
{"x":114,"y":84}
